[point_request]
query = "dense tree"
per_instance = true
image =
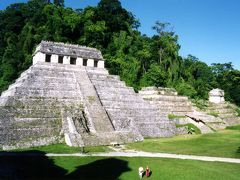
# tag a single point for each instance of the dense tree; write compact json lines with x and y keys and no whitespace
{"x":163,"y":32}
{"x":138,"y":59}
{"x":228,"y":79}
{"x":230,"y":83}
{"x":166,"y":48}
{"x":58,"y":2}
{"x":197,"y":77}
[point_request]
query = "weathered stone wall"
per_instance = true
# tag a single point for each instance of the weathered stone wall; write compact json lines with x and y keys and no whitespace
{"x":128,"y":110}
{"x":62,"y":53}
{"x":48,"y":47}
{"x":167,"y":100}
{"x":226,"y":112}
{"x":53,"y":103}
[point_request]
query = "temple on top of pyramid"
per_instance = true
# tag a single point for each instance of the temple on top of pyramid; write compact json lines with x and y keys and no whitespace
{"x":54,"y":52}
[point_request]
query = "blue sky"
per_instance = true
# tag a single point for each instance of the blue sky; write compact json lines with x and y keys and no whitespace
{"x":207,"y":29}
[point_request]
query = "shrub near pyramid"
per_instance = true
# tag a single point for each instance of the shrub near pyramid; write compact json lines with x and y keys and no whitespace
{"x":68,"y":96}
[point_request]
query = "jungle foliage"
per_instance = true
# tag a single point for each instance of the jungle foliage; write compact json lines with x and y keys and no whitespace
{"x":138,"y":59}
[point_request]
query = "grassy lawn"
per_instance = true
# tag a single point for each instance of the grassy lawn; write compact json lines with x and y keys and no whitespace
{"x":224,"y":143}
{"x":127,"y":168}
{"x":42,"y":167}
{"x":63,"y":148}
{"x":237,"y":127}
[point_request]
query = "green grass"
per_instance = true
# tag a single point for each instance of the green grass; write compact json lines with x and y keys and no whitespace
{"x":110,"y":168}
{"x":224,"y":143}
{"x":237,"y":127}
{"x":189,"y":126}
{"x":127,"y":168}
{"x":63,"y":148}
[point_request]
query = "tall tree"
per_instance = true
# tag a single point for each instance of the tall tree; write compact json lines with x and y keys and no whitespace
{"x":166,"y":48}
{"x":59,"y":2}
{"x":163,"y":30}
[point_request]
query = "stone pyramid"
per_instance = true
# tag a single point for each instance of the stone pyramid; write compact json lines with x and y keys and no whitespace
{"x":68,"y":95}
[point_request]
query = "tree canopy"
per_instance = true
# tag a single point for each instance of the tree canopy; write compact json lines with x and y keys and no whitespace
{"x":138,"y":59}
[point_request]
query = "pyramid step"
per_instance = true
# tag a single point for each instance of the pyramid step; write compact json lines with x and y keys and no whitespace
{"x":227,"y":115}
{"x":120,"y":97}
{"x":133,"y":113}
{"x":175,"y":108}
{"x":222,"y":111}
{"x":114,"y":90}
{"x":156,"y":130}
{"x":166,"y":98}
{"x":41,"y":92}
{"x":14,"y":134}
{"x":232,"y":120}
{"x":125,"y":105}
{"x":103,"y":77}
{"x":35,"y":113}
{"x":171,"y":103}
{"x":108,"y":83}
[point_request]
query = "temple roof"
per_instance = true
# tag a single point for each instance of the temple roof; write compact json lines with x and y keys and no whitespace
{"x":48,"y":47}
{"x":216,"y":92}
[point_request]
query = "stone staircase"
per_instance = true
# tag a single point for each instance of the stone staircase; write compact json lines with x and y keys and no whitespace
{"x":226,"y":112}
{"x":167,"y":100}
{"x":205,"y":122}
{"x":36,"y":109}
{"x":128,"y":110}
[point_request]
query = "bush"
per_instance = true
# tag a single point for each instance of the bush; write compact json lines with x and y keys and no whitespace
{"x":185,"y":89}
{"x":191,"y":128}
{"x":238,"y":111}
{"x":200,"y":103}
{"x":213,"y":114}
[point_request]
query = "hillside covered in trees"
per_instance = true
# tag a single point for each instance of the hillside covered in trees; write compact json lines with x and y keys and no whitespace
{"x":139,"y":60}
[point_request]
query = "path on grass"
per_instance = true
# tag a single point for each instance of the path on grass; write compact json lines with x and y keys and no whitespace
{"x":149,"y":154}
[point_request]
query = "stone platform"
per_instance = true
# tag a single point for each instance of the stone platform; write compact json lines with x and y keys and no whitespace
{"x":167,"y":100}
{"x":83,"y":106}
{"x":170,"y":103}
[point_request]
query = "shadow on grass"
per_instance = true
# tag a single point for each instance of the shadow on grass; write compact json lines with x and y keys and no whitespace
{"x":35,"y":165}
{"x":28,"y":165}
{"x":109,"y":168}
{"x":238,"y":150}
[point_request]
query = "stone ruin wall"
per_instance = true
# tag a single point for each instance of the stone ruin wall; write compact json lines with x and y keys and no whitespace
{"x":68,"y":54}
{"x":66,"y":96}
{"x":169,"y":103}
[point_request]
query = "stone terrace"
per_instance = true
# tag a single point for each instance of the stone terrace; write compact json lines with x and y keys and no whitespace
{"x":125,"y":107}
{"x":42,"y":106}
{"x":167,"y":100}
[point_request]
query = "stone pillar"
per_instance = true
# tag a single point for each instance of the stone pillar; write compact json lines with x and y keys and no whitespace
{"x":79,"y":61}
{"x":38,"y":57}
{"x":90,"y":63}
{"x":54,"y":58}
{"x":100,"y":64}
{"x":66,"y":60}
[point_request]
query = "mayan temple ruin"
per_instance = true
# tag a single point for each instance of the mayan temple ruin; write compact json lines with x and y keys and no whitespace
{"x":68,"y":96}
{"x":218,"y":115}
